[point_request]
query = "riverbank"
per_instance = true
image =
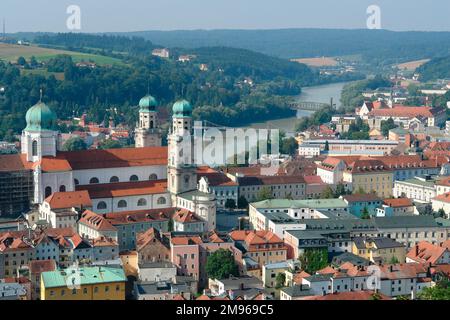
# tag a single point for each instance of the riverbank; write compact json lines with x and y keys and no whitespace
{"x":322,"y":93}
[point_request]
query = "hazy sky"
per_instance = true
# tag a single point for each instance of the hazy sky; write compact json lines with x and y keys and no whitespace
{"x":138,"y":15}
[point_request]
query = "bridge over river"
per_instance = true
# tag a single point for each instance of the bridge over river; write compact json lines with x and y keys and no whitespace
{"x":311,"y":106}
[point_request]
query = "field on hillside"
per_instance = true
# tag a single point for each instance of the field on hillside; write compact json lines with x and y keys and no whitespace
{"x":10,"y":52}
{"x":412,"y":65}
{"x":317,"y":62}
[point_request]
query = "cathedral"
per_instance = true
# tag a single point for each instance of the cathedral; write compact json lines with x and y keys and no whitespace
{"x":149,"y":176}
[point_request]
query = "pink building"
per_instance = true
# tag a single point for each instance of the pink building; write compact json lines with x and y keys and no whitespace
{"x":190,"y":254}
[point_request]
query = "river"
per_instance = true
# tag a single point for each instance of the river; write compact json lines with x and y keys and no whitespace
{"x":322,"y":93}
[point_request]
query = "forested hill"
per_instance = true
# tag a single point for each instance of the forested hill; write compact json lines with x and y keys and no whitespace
{"x":238,"y":86}
{"x":373,"y":45}
{"x":438,"y":68}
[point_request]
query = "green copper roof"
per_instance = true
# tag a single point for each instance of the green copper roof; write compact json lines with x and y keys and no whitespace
{"x":148,"y":103}
{"x":40,"y":117}
{"x":182,"y":108}
{"x":88,"y":275}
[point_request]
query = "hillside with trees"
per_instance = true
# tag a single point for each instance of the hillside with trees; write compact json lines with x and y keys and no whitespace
{"x":438,"y":68}
{"x":218,"y":94}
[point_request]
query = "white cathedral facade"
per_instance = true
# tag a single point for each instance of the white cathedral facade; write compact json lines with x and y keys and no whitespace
{"x":146,"y":177}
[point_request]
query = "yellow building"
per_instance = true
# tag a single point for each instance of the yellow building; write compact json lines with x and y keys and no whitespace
{"x":384,"y":250}
{"x":84,"y":283}
{"x":370,"y":176}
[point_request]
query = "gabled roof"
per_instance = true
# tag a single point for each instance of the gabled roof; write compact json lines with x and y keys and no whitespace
{"x":425,"y":252}
{"x":122,"y":189}
{"x":398,"y":203}
{"x":185,"y":216}
{"x":115,"y":158}
{"x":70,"y":199}
{"x":149,"y":236}
{"x":361,"y":197}
{"x":139,"y":216}
{"x":96,"y":221}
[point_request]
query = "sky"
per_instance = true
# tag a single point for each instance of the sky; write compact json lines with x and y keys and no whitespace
{"x":140,"y":15}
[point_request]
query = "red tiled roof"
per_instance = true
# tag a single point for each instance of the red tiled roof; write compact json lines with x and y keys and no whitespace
{"x":185,"y":216}
{"x":443,"y":197}
{"x":185,"y":241}
{"x":122,"y":189}
{"x":13,"y":162}
{"x":361,"y":197}
{"x":353,"y":295}
{"x":313,"y":180}
{"x":144,"y":238}
{"x":425,"y":252}
{"x":109,"y":158}
{"x":126,"y":217}
{"x":96,"y":221}
{"x":398,"y":203}
{"x":70,"y":199}
{"x":216,"y":178}
{"x":39,"y":266}
{"x":104,"y":242}
{"x":403,"y":111}
{"x":366,"y":166}
{"x":252,"y":237}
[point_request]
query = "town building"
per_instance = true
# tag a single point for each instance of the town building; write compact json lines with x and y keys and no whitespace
{"x":379,"y":250}
{"x":90,"y":283}
{"x":148,"y":133}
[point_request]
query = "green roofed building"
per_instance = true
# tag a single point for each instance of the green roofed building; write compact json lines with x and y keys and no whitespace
{"x":84,"y":283}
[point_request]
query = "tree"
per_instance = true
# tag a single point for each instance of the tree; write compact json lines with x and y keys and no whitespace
{"x":21,"y":61}
{"x":313,"y":260}
{"x":289,"y":146}
{"x":365,"y":214}
{"x":242,"y":202}
{"x":360,"y":191}
{"x":265,"y":194}
{"x":280,"y":280}
{"x":441,"y":291}
{"x":74,"y":144}
{"x":327,"y":193}
{"x":220,"y":264}
{"x":387,"y":125}
{"x":393,"y":260}
{"x":110,"y":144}
{"x":230,"y":204}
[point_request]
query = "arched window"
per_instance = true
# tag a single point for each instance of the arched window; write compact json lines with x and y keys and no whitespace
{"x":161,"y":200}
{"x":62,"y":188}
{"x":114,"y":179}
{"x":101,"y":205}
{"x":134,"y":178}
{"x":93,"y":180}
{"x":151,"y":124}
{"x":153,"y":176}
{"x":186,"y":180}
{"x":76,"y":182}
{"x":34,"y":148}
{"x":142,"y":202}
{"x":122,"y":204}
{"x":48,"y":191}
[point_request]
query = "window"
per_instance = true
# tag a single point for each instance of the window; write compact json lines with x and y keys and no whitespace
{"x":34,"y":148}
{"x":134,"y":178}
{"x":94,"y":180}
{"x":114,"y":179}
{"x":62,"y":188}
{"x":76,"y":182}
{"x":122,"y":204}
{"x":142,"y":202}
{"x":161,"y":200}
{"x":153,"y":176}
{"x":48,"y":192}
{"x":101,"y":205}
